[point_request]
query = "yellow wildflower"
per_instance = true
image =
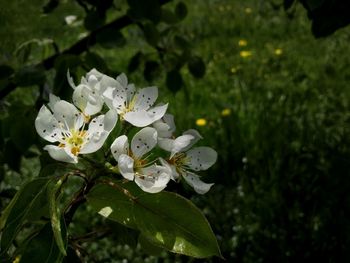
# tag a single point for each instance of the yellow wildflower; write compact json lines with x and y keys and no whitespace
{"x":242,"y":43}
{"x":278,"y":51}
{"x":226,"y":112}
{"x":245,"y":53}
{"x":248,"y":10}
{"x":201,"y":122}
{"x":17,"y":259}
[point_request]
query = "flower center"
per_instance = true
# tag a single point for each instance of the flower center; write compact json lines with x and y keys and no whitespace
{"x":75,"y":141}
{"x":179,"y":159}
{"x":129,"y":106}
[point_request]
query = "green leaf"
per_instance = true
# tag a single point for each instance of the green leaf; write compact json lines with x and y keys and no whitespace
{"x":42,"y":247}
{"x":55,"y":214}
{"x":112,"y":204}
{"x":148,"y":246}
{"x":110,"y":38}
{"x":145,"y":10}
{"x":5,"y":71}
{"x":174,"y":80}
{"x":152,"y":70}
{"x":181,"y":10}
{"x":93,"y":60}
{"x":168,"y":16}
{"x":19,"y":209}
{"x":135,"y":62}
{"x":29,"y":76}
{"x":165,"y":219}
{"x":151,"y":34}
{"x":94,"y":20}
{"x":173,"y":222}
{"x":197,"y":67}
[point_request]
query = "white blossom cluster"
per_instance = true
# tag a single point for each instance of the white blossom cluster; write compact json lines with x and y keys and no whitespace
{"x":82,"y":128}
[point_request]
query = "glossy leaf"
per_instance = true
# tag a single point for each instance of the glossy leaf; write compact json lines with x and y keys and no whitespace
{"x":173,"y":222}
{"x":19,"y":209}
{"x":112,"y":203}
{"x":165,"y":219}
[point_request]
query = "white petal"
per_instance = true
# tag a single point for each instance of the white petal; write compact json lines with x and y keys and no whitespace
{"x":144,"y":118}
{"x":152,"y":179}
{"x":99,"y":129}
{"x":196,"y":138}
{"x":171,"y":169}
{"x":60,"y":154}
{"x":106,"y":82}
{"x":52,"y":101}
{"x":66,"y":113}
{"x":94,"y":142}
{"x":166,"y":144}
{"x":120,"y":146}
{"x":144,"y":141}
{"x":96,"y":73}
{"x":126,"y":166}
{"x":165,"y":126}
{"x":145,"y":98}
{"x":180,"y":143}
{"x":108,"y":96}
{"x":46,"y":125}
{"x":123,"y":80}
{"x":70,"y":80}
{"x":87,"y":99}
{"x":110,"y":120}
{"x":201,"y":158}
{"x":199,"y":186}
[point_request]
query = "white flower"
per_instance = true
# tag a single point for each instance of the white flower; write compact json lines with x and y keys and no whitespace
{"x":65,"y":124}
{"x":184,"y":161}
{"x":133,"y":165}
{"x":165,"y":126}
{"x":134,"y":106}
{"x":87,"y":96}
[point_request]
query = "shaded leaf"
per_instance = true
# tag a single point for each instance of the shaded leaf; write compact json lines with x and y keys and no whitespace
{"x":197,"y":67}
{"x":145,"y":10}
{"x":29,"y":76}
{"x":42,"y":247}
{"x":94,"y":20}
{"x":135,"y":62}
{"x":93,"y":60}
{"x":110,"y":38}
{"x":152,"y":70}
{"x":151,"y":34}
{"x":174,"y":80}
{"x":181,"y":10}
{"x":50,"y":6}
{"x":5,"y":71}
{"x":168,"y":16}
{"x":19,"y":209}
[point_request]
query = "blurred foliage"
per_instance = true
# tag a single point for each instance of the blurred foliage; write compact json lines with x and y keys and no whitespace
{"x":283,"y":176}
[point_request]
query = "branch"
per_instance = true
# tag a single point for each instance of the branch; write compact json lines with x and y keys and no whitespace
{"x":78,"y":48}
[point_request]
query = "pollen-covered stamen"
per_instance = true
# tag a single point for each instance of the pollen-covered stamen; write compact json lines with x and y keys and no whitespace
{"x":128,"y":106}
